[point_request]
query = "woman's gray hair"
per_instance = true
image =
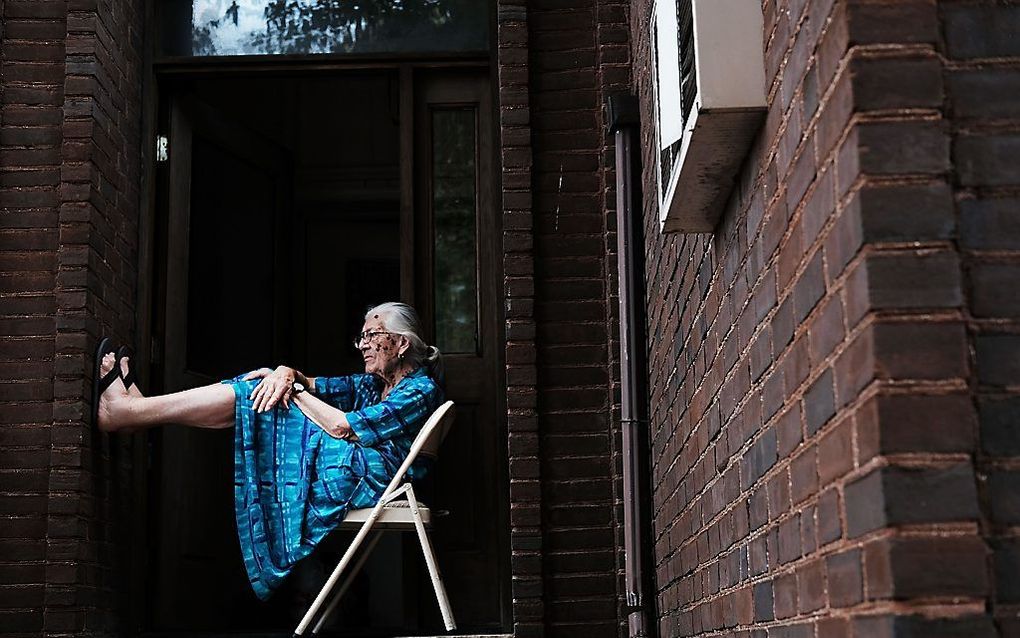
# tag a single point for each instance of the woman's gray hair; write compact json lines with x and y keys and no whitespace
{"x":400,"y":318}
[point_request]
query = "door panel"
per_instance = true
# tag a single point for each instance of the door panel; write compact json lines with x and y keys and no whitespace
{"x":226,"y":188}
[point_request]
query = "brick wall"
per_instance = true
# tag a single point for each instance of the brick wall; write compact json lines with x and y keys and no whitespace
{"x":817,"y":463}
{"x":980,"y":58}
{"x":578,"y":54}
{"x":30,"y":134}
{"x":69,"y":191}
{"x":516,"y":163}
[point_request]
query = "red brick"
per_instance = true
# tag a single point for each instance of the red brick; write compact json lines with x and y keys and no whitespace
{"x":785,"y":587}
{"x":789,"y":540}
{"x":811,"y":583}
{"x":804,"y":476}
{"x":835,"y":452}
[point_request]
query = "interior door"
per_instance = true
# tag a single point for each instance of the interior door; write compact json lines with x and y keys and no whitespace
{"x":226,"y":187}
{"x":456,"y":290}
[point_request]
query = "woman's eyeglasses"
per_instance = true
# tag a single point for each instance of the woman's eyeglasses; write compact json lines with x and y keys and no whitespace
{"x":368,"y":335}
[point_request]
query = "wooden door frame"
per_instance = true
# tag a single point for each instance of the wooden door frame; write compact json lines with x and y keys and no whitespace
{"x":453,"y":91}
{"x":152,"y":225}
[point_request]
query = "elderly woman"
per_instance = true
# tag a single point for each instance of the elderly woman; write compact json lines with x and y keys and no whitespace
{"x":306,"y":449}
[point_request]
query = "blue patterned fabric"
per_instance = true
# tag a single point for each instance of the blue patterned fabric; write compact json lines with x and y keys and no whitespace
{"x":293,"y":483}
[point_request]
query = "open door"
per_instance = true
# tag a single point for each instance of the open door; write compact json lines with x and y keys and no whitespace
{"x":289,"y":209}
{"x":226,"y":189}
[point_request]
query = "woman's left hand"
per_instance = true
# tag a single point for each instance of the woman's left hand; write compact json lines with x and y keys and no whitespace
{"x":273,"y":388}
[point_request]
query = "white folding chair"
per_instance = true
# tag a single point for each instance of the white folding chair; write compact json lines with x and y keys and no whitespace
{"x":391,"y":513}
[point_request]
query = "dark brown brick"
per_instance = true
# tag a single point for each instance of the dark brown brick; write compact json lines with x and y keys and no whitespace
{"x":829,"y":525}
{"x":904,"y":212}
{"x":779,"y":494}
{"x":1006,"y":556}
{"x":914,"y":280}
{"x":911,"y":21}
{"x":990,"y":224}
{"x":895,"y":83}
{"x":804,"y":476}
{"x":998,"y":359}
{"x":785,"y":588}
{"x":976,"y":31}
{"x":934,"y":566}
{"x":819,"y":403}
{"x":991,"y":287}
{"x":826,"y":331}
{"x":763,"y":601}
{"x":759,"y":459}
{"x":855,"y":367}
{"x":919,"y":627}
{"x":983,"y":159}
{"x":834,"y":627}
{"x":999,"y":416}
{"x":920,"y":351}
{"x":902,"y":147}
{"x":811,"y":585}
{"x":845,"y":580}
{"x":984,"y":93}
{"x":789,"y":540}
{"x":835,"y":452}
{"x":900,"y":495}
{"x":1004,"y":495}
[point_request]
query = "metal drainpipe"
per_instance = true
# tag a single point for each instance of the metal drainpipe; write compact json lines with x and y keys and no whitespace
{"x":623,"y":122}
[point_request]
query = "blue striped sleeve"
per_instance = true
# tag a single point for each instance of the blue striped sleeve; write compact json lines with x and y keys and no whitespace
{"x":402,"y":413}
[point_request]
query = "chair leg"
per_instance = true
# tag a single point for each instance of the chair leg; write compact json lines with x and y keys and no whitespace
{"x":355,"y":544}
{"x":347,"y":582}
{"x":341,"y":566}
{"x":430,"y":561}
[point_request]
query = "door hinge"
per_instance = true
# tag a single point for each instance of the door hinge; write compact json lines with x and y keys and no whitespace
{"x":162,"y":148}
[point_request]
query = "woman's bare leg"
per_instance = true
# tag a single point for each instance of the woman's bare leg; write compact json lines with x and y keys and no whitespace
{"x":211,"y":406}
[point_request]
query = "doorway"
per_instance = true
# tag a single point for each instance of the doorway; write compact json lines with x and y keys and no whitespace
{"x":289,"y":204}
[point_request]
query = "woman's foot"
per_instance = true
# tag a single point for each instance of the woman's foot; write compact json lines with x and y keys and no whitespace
{"x":114,"y":401}
{"x":125,"y":369}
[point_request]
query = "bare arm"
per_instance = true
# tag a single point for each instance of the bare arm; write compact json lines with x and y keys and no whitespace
{"x":275,"y":386}
{"x":332,"y":421}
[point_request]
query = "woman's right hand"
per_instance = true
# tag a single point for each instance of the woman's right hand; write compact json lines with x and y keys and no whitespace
{"x":275,"y":386}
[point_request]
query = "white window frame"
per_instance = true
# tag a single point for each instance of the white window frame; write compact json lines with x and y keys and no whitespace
{"x":729,"y":106}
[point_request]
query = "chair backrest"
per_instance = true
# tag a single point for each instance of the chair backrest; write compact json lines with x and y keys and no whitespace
{"x":427,"y":442}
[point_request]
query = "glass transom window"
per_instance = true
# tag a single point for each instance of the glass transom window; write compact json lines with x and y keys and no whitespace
{"x":204,"y":28}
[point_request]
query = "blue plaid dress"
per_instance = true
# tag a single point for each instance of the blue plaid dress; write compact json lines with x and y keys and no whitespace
{"x":293,"y":483}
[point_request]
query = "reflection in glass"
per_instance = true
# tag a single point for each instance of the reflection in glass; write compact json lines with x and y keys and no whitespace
{"x":271,"y":27}
{"x":453,"y":205}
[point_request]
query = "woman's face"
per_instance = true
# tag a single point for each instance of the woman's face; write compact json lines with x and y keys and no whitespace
{"x":380,"y":348}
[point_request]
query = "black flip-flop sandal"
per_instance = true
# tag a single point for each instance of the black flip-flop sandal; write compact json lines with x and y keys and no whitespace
{"x":100,"y":384}
{"x":130,"y":378}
